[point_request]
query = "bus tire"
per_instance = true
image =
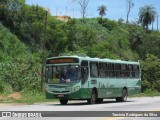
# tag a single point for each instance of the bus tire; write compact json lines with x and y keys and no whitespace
{"x":63,"y":101}
{"x":92,"y":100}
{"x":124,"y":96}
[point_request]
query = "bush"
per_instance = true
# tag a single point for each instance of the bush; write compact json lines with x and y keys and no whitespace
{"x":1,"y":86}
{"x":150,"y":91}
{"x":19,"y":68}
{"x":151,"y":73}
{"x":145,"y":85}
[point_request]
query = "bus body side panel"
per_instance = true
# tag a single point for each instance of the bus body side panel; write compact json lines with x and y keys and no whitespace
{"x":119,"y":84}
{"x":102,"y":88}
{"x":134,"y":87}
{"x":85,"y":93}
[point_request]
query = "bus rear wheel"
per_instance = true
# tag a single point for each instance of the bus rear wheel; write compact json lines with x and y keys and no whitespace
{"x":92,"y":100}
{"x":63,"y":101}
{"x":124,"y":96}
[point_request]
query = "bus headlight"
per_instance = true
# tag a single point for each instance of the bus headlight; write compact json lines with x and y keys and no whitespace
{"x":77,"y":88}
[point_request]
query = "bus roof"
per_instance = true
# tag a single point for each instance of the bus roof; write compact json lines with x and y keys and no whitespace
{"x":86,"y":58}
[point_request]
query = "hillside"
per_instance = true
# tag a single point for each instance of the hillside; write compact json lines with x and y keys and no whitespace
{"x":28,"y":36}
{"x":19,"y":68}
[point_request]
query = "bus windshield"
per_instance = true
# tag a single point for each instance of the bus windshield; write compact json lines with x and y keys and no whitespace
{"x":62,"y":74}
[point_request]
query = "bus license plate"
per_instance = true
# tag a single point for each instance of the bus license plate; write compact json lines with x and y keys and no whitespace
{"x":61,"y":95}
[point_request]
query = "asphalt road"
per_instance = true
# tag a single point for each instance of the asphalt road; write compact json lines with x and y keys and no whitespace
{"x":80,"y":110}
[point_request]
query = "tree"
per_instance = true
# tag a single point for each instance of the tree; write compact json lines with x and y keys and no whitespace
{"x":151,"y":45}
{"x":102,"y":10}
{"x":150,"y":72}
{"x":2,"y":2}
{"x":83,"y":4}
{"x":14,"y":6}
{"x":136,"y":36}
{"x":130,"y":5}
{"x":147,"y":15}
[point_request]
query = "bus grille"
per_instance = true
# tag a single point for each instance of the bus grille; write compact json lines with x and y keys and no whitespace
{"x":55,"y":86}
{"x":60,"y":91}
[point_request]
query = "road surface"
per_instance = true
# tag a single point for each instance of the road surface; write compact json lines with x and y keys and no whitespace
{"x":82,"y":111}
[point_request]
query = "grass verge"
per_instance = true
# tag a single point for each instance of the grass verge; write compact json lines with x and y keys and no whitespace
{"x":148,"y":93}
{"x":31,"y":98}
{"x":27,"y":98}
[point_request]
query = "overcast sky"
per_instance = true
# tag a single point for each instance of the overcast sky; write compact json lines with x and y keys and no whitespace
{"x":116,"y":8}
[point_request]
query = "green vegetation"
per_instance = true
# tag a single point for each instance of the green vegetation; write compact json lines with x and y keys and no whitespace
{"x":28,"y":35}
{"x":148,"y":93}
{"x":17,"y":64}
{"x":151,"y":73}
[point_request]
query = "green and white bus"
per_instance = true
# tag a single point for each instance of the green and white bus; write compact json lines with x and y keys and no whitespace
{"x":91,"y":79}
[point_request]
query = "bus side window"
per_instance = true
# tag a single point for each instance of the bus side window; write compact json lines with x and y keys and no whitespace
{"x":102,"y":70}
{"x":133,"y":72}
{"x":123,"y":70}
{"x":94,"y":69}
{"x":136,"y":70}
{"x":84,"y":71}
{"x":111,"y":70}
{"x":117,"y":70}
{"x":130,"y":71}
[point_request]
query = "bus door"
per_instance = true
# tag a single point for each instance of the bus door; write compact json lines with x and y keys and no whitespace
{"x":84,"y":79}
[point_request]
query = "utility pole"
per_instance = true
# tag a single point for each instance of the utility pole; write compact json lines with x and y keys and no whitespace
{"x":157,"y":21}
{"x":66,"y":11}
{"x":73,"y":12}
{"x":56,"y":11}
{"x":43,"y":51}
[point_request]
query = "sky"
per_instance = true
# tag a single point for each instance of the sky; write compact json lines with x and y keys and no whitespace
{"x":116,"y":9}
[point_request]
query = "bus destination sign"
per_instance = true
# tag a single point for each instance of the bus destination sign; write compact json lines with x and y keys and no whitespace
{"x":62,"y":60}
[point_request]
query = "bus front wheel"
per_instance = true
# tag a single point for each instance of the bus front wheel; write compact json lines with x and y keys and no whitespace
{"x":124,"y":96}
{"x":63,"y":101}
{"x":92,"y":100}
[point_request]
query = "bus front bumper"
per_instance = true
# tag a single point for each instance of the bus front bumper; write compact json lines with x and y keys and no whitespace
{"x":79,"y":94}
